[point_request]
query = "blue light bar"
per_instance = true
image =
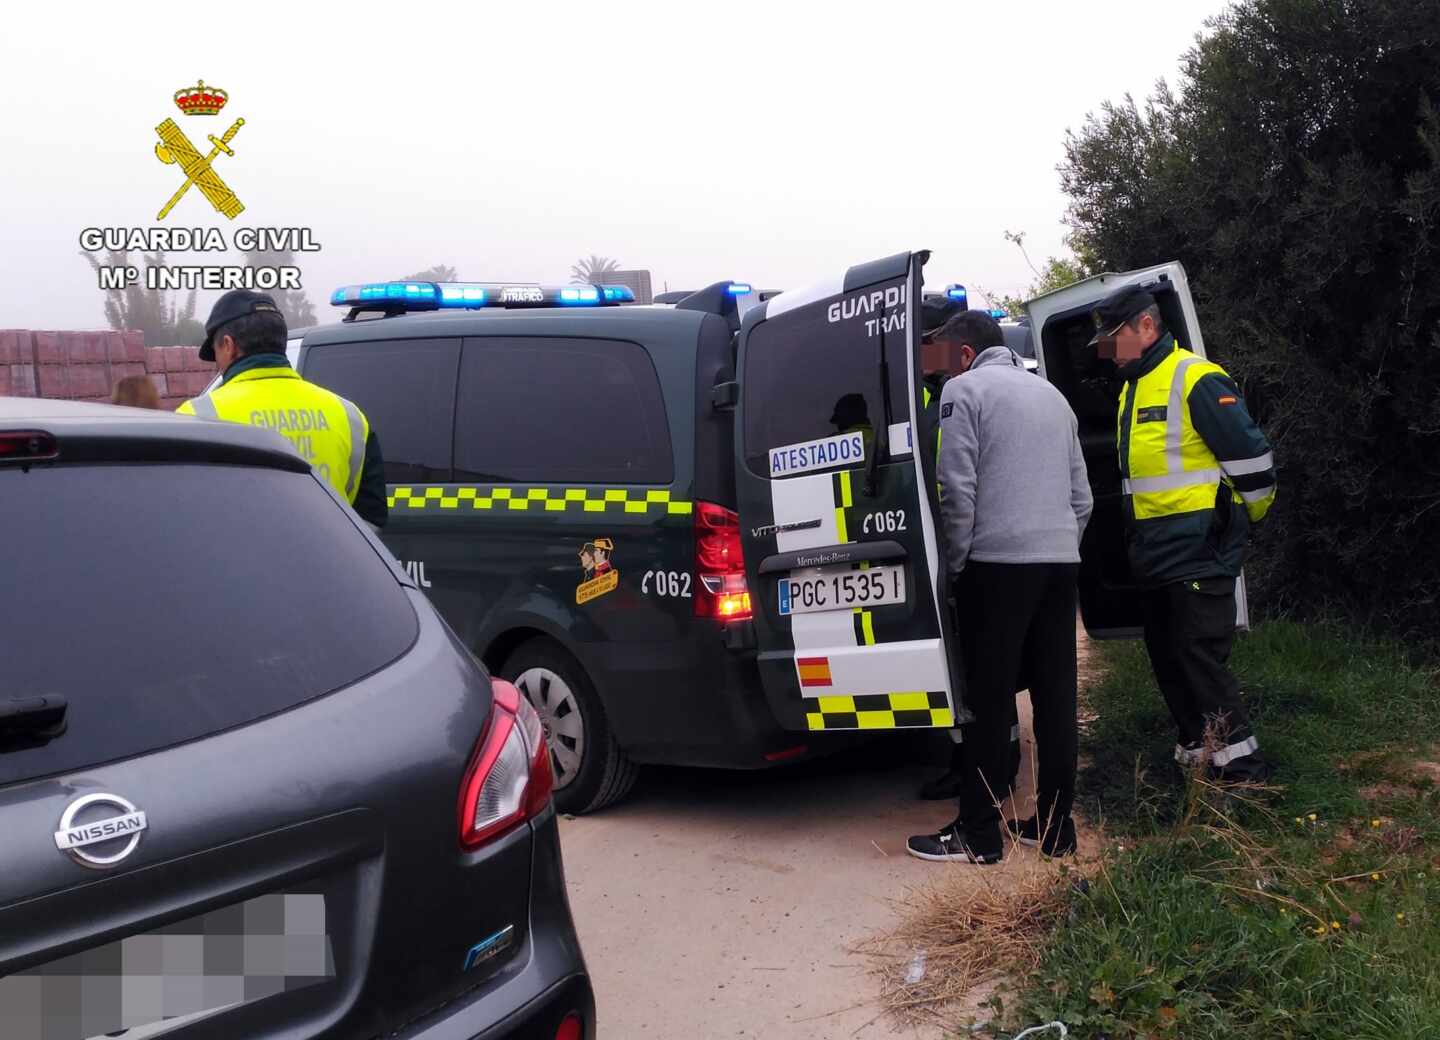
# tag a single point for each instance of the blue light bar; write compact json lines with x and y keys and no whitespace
{"x":414,"y":296}
{"x":405,"y":297}
{"x":739,"y":288}
{"x":957,"y":292}
{"x":998,"y":312}
{"x":461,"y":294}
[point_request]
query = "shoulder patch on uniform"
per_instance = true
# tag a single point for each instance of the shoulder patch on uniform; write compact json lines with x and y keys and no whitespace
{"x":1228,"y":399}
{"x":946,"y":409}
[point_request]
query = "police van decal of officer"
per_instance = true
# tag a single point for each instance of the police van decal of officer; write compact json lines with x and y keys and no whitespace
{"x":600,"y":574}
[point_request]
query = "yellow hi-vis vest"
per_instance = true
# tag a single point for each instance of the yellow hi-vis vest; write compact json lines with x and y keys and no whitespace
{"x":925,"y":400}
{"x":327,"y":431}
{"x":1188,"y":510}
{"x":1171,"y":469}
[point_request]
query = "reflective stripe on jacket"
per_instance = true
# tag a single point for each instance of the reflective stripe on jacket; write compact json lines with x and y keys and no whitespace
{"x":929,"y":425}
{"x":1196,"y":470}
{"x":327,"y":431}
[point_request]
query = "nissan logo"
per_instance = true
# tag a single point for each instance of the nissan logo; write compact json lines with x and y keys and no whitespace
{"x":95,"y":839}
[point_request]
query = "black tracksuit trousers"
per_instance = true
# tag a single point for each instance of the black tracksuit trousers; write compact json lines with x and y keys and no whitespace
{"x":1189,"y":630}
{"x":1011,"y":614}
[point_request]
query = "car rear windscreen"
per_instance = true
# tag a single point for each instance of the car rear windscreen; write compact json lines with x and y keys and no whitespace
{"x":168,"y":602}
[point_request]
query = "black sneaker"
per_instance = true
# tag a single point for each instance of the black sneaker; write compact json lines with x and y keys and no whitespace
{"x":951,"y":844}
{"x":1058,"y":840}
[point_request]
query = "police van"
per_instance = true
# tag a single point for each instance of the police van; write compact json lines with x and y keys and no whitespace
{"x":688,"y":538}
{"x":561,"y":483}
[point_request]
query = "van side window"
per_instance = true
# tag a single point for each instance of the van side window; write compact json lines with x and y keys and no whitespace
{"x":550,"y":410}
{"x":406,"y":388}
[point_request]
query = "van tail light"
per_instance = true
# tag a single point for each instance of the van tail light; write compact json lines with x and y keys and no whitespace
{"x":508,"y":780}
{"x":719,"y":564}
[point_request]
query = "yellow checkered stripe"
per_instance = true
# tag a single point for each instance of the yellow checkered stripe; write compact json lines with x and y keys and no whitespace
{"x":844,"y":502}
{"x":881,"y":711}
{"x":467,"y":498}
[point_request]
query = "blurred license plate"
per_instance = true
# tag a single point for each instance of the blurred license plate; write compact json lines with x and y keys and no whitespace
{"x":842,"y":590}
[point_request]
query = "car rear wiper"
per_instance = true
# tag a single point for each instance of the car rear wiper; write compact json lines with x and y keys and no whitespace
{"x":30,"y":721}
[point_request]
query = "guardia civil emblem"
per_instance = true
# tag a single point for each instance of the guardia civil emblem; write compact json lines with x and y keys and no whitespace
{"x":174,"y":148}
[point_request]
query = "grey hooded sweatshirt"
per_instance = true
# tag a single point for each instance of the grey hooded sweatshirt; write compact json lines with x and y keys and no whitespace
{"x":1013,"y":487}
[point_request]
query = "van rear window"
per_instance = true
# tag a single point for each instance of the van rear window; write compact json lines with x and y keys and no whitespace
{"x":169,"y":602}
{"x":807,"y":377}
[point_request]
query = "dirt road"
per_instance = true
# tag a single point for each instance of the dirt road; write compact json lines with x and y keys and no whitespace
{"x":723,"y":904}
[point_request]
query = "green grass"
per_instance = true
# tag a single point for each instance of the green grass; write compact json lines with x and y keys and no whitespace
{"x":1216,"y":916}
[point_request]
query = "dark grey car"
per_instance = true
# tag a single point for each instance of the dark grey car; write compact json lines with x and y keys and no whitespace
{"x":250,"y":783}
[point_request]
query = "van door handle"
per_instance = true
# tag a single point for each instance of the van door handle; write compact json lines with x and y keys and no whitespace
{"x":826,"y":555}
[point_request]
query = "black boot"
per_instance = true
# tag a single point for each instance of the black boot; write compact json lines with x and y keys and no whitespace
{"x":1251,"y":769}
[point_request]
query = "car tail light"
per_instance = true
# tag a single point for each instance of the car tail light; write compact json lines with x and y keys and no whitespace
{"x":719,"y":564}
{"x":27,"y":446}
{"x":508,"y":780}
{"x":570,"y":1029}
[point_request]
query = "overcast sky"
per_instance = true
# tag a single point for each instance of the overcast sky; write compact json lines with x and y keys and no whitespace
{"x":766,"y":141}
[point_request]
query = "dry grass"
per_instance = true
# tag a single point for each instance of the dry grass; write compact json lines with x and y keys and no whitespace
{"x":975,"y":931}
{"x":980,"y":927}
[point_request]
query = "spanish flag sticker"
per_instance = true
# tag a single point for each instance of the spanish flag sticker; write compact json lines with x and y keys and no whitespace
{"x":814,"y":671}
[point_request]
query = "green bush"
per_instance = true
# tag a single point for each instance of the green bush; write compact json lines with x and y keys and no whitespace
{"x":1293,"y":170}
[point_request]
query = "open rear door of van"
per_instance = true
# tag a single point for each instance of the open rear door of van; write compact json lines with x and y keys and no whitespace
{"x":1060,"y":322}
{"x":837,"y":506}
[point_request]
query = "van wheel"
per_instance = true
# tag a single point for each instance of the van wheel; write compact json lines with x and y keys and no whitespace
{"x":591,"y":771}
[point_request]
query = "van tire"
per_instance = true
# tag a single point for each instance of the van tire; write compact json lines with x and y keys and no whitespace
{"x":605,"y":774}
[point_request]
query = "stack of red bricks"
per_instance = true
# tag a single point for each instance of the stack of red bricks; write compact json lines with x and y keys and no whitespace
{"x":85,"y":366}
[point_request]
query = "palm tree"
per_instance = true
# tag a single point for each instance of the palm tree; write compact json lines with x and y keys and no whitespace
{"x":438,"y":273}
{"x":593,"y":268}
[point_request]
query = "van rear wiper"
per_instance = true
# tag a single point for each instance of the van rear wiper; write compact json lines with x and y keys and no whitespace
{"x":882,"y":435}
{"x":31,"y":719}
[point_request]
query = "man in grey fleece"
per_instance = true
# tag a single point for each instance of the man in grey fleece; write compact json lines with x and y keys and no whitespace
{"x":1014,"y":501}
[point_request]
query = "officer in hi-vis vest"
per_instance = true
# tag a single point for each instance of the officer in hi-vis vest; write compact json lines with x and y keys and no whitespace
{"x":245,"y":337}
{"x":1196,"y":472}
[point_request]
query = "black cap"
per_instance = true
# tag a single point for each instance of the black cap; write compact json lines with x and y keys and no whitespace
{"x":236,"y":303}
{"x":935,"y":311}
{"x":1117,"y":308}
